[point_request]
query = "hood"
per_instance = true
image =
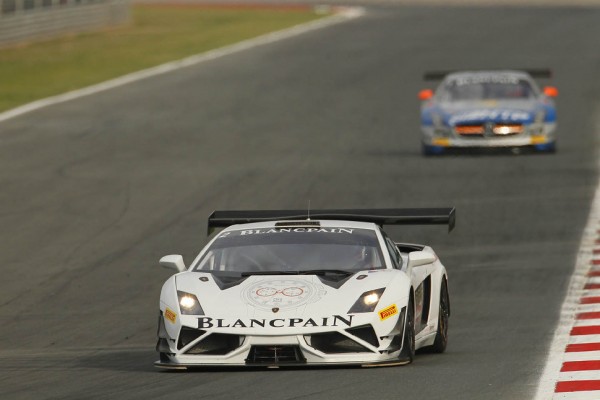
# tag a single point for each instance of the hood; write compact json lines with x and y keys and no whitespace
{"x":282,"y":296}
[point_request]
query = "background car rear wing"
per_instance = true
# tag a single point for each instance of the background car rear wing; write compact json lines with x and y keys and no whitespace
{"x":382,"y":216}
{"x":541,"y":73}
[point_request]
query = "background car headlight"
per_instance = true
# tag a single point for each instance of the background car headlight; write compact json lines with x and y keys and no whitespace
{"x":367,"y":301}
{"x":189,"y":304}
{"x":540,"y":116}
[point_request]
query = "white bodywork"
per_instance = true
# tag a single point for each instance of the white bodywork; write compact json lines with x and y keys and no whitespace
{"x":271,"y":312}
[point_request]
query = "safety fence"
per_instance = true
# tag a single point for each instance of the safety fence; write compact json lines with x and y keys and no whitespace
{"x":27,"y":20}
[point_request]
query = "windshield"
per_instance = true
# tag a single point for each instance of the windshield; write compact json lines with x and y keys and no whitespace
{"x":292,"y":250}
{"x":486,"y":88}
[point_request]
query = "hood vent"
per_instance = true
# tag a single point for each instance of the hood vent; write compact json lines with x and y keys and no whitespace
{"x":226,"y":282}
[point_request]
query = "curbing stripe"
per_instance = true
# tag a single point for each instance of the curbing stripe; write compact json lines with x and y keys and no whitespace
{"x":578,"y":330}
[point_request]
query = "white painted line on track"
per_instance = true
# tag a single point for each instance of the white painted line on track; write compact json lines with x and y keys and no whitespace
{"x":577,"y":376}
{"x":576,"y":396}
{"x":343,"y":14}
{"x":550,"y":376}
{"x":588,"y":307}
{"x":583,"y":339}
{"x":582,"y":355}
{"x":587,"y":322}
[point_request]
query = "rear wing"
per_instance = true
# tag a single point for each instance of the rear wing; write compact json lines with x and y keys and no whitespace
{"x":381,"y":216}
{"x":540,"y":73}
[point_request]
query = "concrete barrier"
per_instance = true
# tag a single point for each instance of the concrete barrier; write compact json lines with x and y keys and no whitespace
{"x":27,"y":20}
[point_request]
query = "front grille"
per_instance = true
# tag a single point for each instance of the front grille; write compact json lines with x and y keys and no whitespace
{"x":470,"y":130}
{"x":275,"y":355}
{"x":217,"y":344}
{"x":335,"y":343}
{"x":489,"y":129}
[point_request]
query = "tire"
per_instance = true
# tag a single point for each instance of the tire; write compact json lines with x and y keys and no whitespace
{"x":441,"y":337}
{"x":407,"y":354}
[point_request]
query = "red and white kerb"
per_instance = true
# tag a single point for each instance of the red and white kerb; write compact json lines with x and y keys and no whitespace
{"x":579,"y":376}
{"x":572,"y":369}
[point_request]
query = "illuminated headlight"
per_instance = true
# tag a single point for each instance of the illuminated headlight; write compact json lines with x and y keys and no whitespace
{"x":189,"y":304}
{"x":367,"y":301}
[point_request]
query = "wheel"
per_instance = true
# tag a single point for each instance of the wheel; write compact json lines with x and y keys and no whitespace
{"x":548,"y":148}
{"x":441,"y":337}
{"x":429,"y":150}
{"x":407,"y":354}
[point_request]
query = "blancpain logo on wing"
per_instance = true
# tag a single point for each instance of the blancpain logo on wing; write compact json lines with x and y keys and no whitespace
{"x":334,"y":320}
{"x":479,"y":115}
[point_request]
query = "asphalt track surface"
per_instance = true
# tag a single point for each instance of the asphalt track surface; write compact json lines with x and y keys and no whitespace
{"x":94,"y":191}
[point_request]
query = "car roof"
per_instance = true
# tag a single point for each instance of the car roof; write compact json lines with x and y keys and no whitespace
{"x":304,"y":224}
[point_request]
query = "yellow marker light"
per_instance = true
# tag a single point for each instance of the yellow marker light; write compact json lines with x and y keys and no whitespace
{"x":441,"y":142}
{"x":536,"y":139}
{"x":187,"y":302}
{"x":371,"y":299}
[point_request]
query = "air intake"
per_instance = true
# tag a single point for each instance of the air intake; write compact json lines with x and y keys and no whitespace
{"x":275,"y":355}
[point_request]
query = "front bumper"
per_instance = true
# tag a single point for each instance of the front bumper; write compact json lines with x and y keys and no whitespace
{"x":542,"y":138}
{"x":357,"y":345}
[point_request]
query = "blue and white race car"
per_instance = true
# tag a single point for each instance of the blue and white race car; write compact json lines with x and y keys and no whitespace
{"x":488,"y":109}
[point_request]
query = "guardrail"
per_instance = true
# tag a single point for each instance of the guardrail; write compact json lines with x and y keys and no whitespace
{"x":27,"y":20}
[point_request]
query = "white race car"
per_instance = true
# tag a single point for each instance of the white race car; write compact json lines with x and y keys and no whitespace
{"x":281,"y":288}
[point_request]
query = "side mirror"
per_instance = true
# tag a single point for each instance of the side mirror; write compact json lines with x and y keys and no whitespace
{"x":174,"y":261}
{"x":417,"y":258}
{"x":550,"y":91}
{"x":425,"y":94}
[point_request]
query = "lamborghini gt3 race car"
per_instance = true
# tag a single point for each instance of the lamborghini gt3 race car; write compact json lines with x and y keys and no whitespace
{"x":488,"y":109}
{"x":275,"y":288}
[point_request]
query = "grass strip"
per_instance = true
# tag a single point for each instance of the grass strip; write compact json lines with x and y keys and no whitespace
{"x":157,"y":34}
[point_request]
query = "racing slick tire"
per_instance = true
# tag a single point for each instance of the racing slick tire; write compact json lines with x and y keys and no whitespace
{"x":441,"y":337}
{"x":428,"y":150}
{"x":547,"y":148}
{"x":407,"y":354}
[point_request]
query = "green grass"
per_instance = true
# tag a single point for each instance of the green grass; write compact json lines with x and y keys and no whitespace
{"x":155,"y":35}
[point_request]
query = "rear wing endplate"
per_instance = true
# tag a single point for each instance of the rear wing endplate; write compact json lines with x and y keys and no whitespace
{"x":381,"y":216}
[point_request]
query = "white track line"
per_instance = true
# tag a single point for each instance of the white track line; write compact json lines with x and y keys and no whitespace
{"x":343,"y":14}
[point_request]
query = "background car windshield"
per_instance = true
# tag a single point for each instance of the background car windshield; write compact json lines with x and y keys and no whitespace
{"x":292,"y":249}
{"x":486,"y":89}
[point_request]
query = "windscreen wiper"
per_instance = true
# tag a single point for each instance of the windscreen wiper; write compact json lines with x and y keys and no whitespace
{"x":319,"y":272}
{"x":250,"y":273}
{"x":327,"y":272}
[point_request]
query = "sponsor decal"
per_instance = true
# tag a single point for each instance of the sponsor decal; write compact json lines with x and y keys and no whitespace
{"x":281,"y":294}
{"x":333,"y":321}
{"x":388,"y":312}
{"x":494,"y":115}
{"x":247,"y":232}
{"x":475,"y":80}
{"x":170,"y":315}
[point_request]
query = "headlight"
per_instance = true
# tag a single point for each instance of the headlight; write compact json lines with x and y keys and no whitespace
{"x":540,"y":116}
{"x":189,"y":304}
{"x":439,"y":128}
{"x":367,"y":301}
